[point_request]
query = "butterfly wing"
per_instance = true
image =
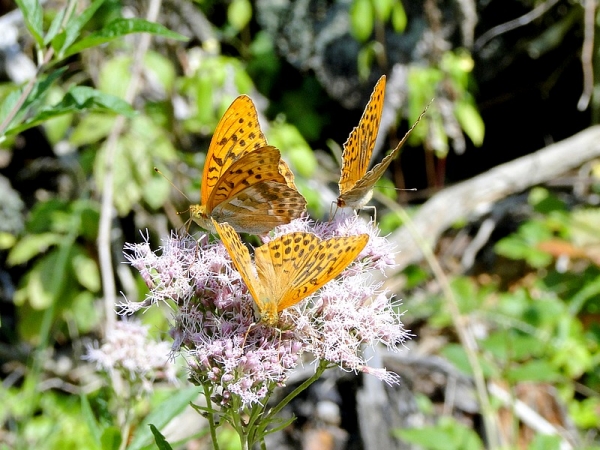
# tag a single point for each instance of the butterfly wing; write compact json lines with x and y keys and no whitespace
{"x":286,"y":172}
{"x":261,"y":207}
{"x":252,"y":195}
{"x":296,"y":265}
{"x":237,"y":133}
{"x":361,"y":192}
{"x":240,"y":256}
{"x":358,"y":148}
{"x":252,"y":168}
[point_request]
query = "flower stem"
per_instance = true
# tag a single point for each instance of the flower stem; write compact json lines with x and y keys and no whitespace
{"x":210,"y":416}
{"x":323,"y":365}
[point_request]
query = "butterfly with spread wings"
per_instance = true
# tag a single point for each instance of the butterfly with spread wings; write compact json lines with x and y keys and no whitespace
{"x":289,"y":268}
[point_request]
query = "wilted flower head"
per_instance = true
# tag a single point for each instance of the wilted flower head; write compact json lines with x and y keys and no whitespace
{"x":128,"y":349}
{"x":225,"y":344}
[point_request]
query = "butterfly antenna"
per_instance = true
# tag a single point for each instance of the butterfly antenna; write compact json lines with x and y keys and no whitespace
{"x":189,"y":221}
{"x":176,"y":188}
{"x":246,"y":335}
{"x":396,"y":189}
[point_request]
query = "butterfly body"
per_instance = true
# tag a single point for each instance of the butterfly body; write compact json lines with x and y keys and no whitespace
{"x":245,"y":182}
{"x":289,"y":268}
{"x":356,"y":183}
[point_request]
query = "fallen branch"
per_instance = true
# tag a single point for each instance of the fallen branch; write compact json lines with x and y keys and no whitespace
{"x":475,"y":197}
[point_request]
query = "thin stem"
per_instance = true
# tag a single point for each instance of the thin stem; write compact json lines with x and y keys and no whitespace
{"x":26,"y":91}
{"x":253,"y":418}
{"x":210,"y":416}
{"x":106,"y":209}
{"x":323,"y":365}
{"x":461,"y":325}
{"x":45,"y":59}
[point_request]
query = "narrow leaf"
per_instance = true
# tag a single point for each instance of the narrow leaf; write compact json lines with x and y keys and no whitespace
{"x":31,"y":245}
{"x":239,"y":13}
{"x":32,"y":13}
{"x":471,"y":122}
{"x":79,"y":98}
{"x":361,"y":19}
{"x":163,"y":415}
{"x":399,"y":19}
{"x":159,"y":439}
{"x":121,"y":27}
{"x":35,"y":96}
{"x":76,"y":24}
{"x":54,"y":26}
{"x":90,"y":420}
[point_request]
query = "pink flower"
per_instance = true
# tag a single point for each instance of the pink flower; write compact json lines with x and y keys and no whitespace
{"x":215,"y":324}
{"x":128,"y":350}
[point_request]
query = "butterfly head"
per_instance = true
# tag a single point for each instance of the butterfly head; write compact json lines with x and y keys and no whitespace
{"x":199,"y":215}
{"x":355,"y":198}
{"x":269,"y":317}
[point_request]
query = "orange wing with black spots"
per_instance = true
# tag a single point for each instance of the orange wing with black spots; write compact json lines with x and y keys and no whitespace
{"x":290,"y":267}
{"x":356,"y":184}
{"x":245,"y":182}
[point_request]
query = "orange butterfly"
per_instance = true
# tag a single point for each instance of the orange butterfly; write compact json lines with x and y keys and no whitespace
{"x":245,"y":181}
{"x":290,"y":267}
{"x":356,"y":184}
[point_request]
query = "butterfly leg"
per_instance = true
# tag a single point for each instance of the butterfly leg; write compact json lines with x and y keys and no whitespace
{"x":374,"y":208}
{"x":332,"y":216}
{"x":247,"y":332}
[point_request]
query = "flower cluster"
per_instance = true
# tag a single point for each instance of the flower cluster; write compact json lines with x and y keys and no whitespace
{"x":129,"y":350}
{"x":215,"y":324}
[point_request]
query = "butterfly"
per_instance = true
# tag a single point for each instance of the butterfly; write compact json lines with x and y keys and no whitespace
{"x":356,"y":184}
{"x":245,"y":182}
{"x":289,"y":268}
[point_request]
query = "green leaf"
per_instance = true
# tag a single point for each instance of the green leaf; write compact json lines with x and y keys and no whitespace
{"x":162,"y":68}
{"x":84,"y":97}
{"x":383,"y":9}
{"x":540,"y":371}
{"x":54,"y":26}
{"x":86,"y":271}
{"x":41,"y":289}
{"x":7,"y":240}
{"x":297,"y":151}
{"x":111,"y":438}
{"x":91,"y":129}
{"x":122,"y":27}
{"x":140,"y":149}
{"x":447,"y":435}
{"x":79,"y":98}
{"x":30,"y":246}
{"x":159,"y":439}
{"x":169,"y":409}
{"x":585,"y":413}
{"x":239,"y":13}
{"x":470,"y":121}
{"x":32,"y":13}
{"x":85,"y":316}
{"x":366,"y":56}
{"x":456,"y":354}
{"x":399,"y":19}
{"x":361,"y":19}
{"x":35,"y":97}
{"x":156,"y":191}
{"x":546,"y":442}
{"x":75,"y":25}
{"x":90,"y":420}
